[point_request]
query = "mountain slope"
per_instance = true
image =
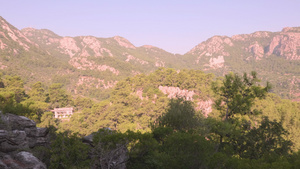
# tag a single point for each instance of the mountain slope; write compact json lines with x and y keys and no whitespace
{"x":84,"y":51}
{"x":89,"y":65}
{"x":86,"y":65}
{"x":274,"y":55}
{"x":101,"y":62}
{"x":21,"y":56}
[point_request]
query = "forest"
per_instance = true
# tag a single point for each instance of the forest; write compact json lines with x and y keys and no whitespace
{"x":248,"y":127}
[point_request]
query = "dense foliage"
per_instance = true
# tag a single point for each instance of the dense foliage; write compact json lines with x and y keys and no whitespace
{"x":137,"y":101}
{"x":252,"y":129}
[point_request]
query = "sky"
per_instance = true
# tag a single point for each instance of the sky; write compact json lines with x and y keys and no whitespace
{"x":173,"y":25}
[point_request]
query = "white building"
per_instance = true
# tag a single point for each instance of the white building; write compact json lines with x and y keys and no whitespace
{"x":65,"y":112}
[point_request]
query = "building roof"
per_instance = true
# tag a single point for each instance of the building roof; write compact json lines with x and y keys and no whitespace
{"x":64,"y":109}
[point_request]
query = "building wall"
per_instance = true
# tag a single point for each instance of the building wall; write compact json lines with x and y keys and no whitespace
{"x":63,"y":112}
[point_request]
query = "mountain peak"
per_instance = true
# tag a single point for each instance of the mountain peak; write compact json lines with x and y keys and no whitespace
{"x":32,"y":31}
{"x":291,"y":29}
{"x":148,"y":46}
{"x":123,"y":42}
{"x":11,"y":33}
{"x":1,"y":18}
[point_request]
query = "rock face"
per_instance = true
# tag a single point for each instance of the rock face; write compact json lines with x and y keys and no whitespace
{"x":124,"y":42}
{"x":256,"y":50}
{"x":11,"y":33}
{"x":271,"y":54}
{"x":21,"y":160}
{"x":174,"y":92}
{"x":286,"y":44}
{"x":216,"y":62}
{"x":19,"y":133}
{"x":213,"y":47}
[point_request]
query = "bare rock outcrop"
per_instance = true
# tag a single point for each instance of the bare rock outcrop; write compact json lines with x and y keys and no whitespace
{"x":9,"y":34}
{"x":256,"y":50}
{"x":204,"y":105}
{"x":216,"y":62}
{"x":85,"y":64}
{"x":19,"y":133}
{"x":173,"y":92}
{"x":213,"y":46}
{"x":286,"y":44}
{"x":124,"y":42}
{"x":130,"y":57}
{"x":21,"y":160}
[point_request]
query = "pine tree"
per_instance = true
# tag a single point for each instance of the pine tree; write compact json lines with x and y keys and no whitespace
{"x":237,"y":94}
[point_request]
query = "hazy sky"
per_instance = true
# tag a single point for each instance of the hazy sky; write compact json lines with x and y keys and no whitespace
{"x":173,"y":25}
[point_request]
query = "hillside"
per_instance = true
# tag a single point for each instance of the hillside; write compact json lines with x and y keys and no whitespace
{"x":91,"y":66}
{"x":101,"y":61}
{"x":86,"y":65}
{"x":138,"y":101}
{"x":274,"y":55}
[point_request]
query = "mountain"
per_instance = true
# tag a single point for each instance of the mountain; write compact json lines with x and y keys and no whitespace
{"x":101,"y":62}
{"x":84,"y":50}
{"x":86,"y":65}
{"x":273,"y":55}
{"x":21,"y":56}
{"x":91,"y":66}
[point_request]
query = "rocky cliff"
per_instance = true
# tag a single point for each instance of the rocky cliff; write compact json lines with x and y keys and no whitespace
{"x":274,"y":55}
{"x":19,"y":134}
{"x":285,"y":44}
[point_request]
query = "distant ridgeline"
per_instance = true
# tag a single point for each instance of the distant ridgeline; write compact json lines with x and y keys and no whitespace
{"x":91,"y":66}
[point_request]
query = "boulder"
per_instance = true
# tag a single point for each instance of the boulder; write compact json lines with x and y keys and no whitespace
{"x":21,"y":160}
{"x":12,"y":140}
{"x":88,"y":139}
{"x":19,"y":132}
{"x":15,"y":122}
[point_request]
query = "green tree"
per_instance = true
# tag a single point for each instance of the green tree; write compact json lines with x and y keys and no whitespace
{"x":15,"y":85}
{"x":37,"y":92}
{"x":68,"y":151}
{"x":82,"y":102}
{"x":237,"y":94}
{"x":58,"y":96}
{"x":37,"y":101}
{"x":110,"y":148}
{"x":48,"y":120}
{"x":180,"y":115}
{"x":268,"y":139}
{"x":184,"y":150}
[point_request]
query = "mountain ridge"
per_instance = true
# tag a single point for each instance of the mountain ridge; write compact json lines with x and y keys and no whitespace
{"x":85,"y":62}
